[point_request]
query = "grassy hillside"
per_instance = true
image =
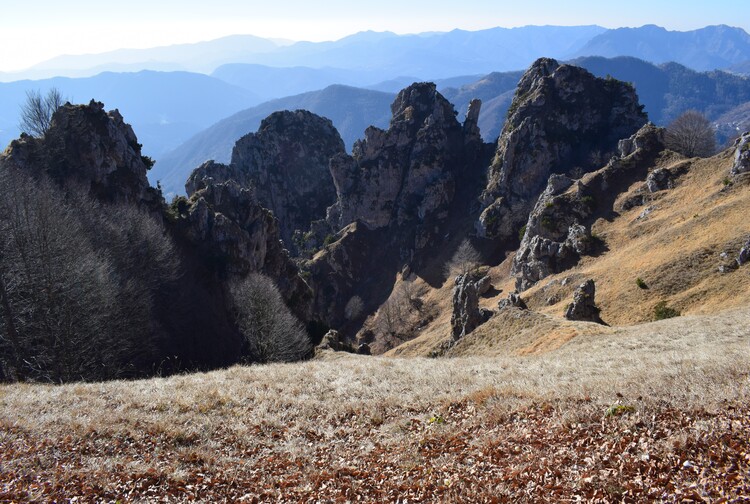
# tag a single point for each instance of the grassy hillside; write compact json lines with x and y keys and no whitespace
{"x":653,"y":412}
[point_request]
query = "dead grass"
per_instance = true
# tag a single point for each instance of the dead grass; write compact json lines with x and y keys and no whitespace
{"x":383,"y":429}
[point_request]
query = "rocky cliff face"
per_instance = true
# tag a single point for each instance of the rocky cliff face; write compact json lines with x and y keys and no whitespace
{"x":408,"y":175}
{"x":286,"y":164}
{"x":88,"y":146}
{"x":558,"y":229}
{"x":562,"y":120}
{"x":235,"y":235}
{"x":396,"y":195}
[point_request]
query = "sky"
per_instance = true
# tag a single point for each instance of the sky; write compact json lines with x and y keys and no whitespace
{"x":31,"y":32}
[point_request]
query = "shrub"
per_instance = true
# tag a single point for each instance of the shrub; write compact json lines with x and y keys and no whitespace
{"x":641,"y":283}
{"x":662,"y":311}
{"x":272,"y":333}
{"x":464,"y":259}
{"x":521,"y":232}
{"x":353,"y":308}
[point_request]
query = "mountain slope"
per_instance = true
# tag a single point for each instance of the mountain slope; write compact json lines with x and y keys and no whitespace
{"x":703,"y":49}
{"x":674,"y":243}
{"x":164,"y":107}
{"x":352,"y":110}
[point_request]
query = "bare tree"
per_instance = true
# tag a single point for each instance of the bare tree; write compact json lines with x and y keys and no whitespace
{"x":271,"y":331}
{"x":464,"y":260}
{"x":353,"y":308}
{"x":691,"y":134}
{"x":62,"y":316}
{"x":37,"y":110}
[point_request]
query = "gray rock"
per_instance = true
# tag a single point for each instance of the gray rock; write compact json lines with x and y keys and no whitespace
{"x":512,"y":301}
{"x":553,"y":104}
{"x":286,"y":164}
{"x":744,"y":255}
{"x":364,"y":349}
{"x":331,"y":341}
{"x":484,"y":284}
{"x":466,"y":313}
{"x":659,"y":180}
{"x":584,"y":306}
{"x":741,"y":155}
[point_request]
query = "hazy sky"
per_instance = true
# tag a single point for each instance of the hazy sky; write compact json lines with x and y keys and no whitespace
{"x":34,"y":31}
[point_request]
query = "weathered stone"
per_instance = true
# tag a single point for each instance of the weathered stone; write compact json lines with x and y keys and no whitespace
{"x":744,"y":255}
{"x":91,"y":148}
{"x":286,"y":164}
{"x":331,"y":341}
{"x":584,"y":306}
{"x":659,"y":180}
{"x":555,"y":106}
{"x":484,"y":284}
{"x":741,"y":155}
{"x":558,"y":231}
{"x":466,"y":314}
{"x":226,"y":224}
{"x":512,"y":301}
{"x":364,"y":349}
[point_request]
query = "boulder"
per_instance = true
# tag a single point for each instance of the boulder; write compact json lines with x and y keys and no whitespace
{"x":467,"y":315}
{"x":512,"y":301}
{"x":744,"y":255}
{"x":741,"y":155}
{"x":584,"y":306}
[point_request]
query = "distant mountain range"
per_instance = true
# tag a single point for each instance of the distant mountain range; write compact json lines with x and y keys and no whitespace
{"x":164,"y":108}
{"x":350,"y":109}
{"x":381,"y":56}
{"x":705,"y":49}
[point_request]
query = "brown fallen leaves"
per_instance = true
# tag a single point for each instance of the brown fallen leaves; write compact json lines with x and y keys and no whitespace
{"x":470,"y":450}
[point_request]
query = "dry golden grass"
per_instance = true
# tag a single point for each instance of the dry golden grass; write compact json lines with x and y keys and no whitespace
{"x":381,"y":429}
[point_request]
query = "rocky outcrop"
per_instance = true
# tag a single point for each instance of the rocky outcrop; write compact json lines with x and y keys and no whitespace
{"x":467,"y":315}
{"x":398,"y":195}
{"x":406,"y":176}
{"x":88,"y":147}
{"x":741,"y":155}
{"x":584,"y":306}
{"x":744,"y":256}
{"x":512,"y":301}
{"x":235,"y":235}
{"x":286,"y":164}
{"x":562,"y":120}
{"x":557,"y":231}
{"x":555,"y":238}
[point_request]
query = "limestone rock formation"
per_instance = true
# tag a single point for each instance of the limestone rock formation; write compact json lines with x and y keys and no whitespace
{"x":397,"y":196}
{"x":562,"y":120}
{"x":407,"y":175}
{"x":286,"y":164}
{"x":88,"y":146}
{"x":554,"y":238}
{"x":584,"y":306}
{"x":558,"y":231}
{"x":237,"y":236}
{"x":741,"y":155}
{"x":467,"y":315}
